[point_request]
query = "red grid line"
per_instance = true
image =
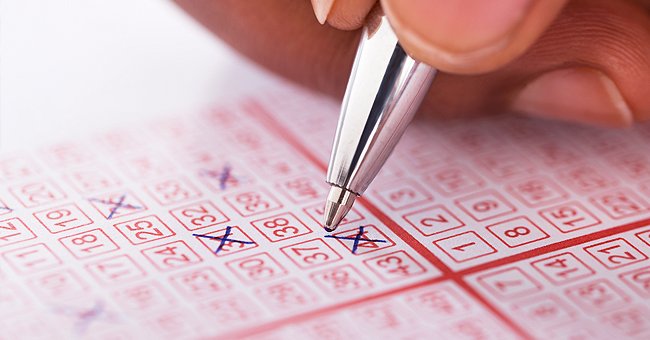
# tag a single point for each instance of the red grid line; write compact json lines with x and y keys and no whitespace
{"x":269,"y":326}
{"x":549,"y":248}
{"x":276,"y":127}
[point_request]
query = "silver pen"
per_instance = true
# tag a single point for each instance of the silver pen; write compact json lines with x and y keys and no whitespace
{"x":384,"y":91}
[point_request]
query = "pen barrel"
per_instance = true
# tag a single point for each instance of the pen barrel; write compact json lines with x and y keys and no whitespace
{"x":384,"y":91}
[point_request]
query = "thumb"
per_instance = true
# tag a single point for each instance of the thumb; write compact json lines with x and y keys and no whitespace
{"x":469,"y":36}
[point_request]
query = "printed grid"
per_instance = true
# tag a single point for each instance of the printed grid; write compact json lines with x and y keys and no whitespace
{"x":155,"y":231}
{"x":618,"y":201}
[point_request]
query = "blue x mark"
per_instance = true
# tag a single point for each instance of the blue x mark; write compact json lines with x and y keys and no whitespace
{"x":87,"y":317}
{"x":356,"y":239}
{"x":222,"y":176}
{"x":116,"y":205}
{"x":83,"y":318}
{"x":223,"y":239}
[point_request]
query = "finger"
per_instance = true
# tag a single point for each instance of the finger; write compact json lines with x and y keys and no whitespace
{"x":282,"y":36}
{"x":469,"y":36}
{"x":342,"y":14}
{"x":591,"y":66}
{"x":596,"y":39}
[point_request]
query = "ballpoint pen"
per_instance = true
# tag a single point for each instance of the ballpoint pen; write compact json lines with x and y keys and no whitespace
{"x":385,"y":89}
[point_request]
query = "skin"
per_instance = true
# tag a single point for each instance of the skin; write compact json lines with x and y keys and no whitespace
{"x":585,"y":61}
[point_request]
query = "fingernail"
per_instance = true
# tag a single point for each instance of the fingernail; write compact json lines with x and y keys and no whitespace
{"x":322,"y":9}
{"x":458,"y":26}
{"x":583,"y":95}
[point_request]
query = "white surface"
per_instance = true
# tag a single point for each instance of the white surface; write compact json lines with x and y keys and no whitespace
{"x":78,"y":66}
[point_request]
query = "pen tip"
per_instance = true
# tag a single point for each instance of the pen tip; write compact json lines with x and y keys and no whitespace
{"x":339,"y":202}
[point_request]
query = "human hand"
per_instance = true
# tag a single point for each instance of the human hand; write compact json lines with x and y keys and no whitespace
{"x":583,"y":61}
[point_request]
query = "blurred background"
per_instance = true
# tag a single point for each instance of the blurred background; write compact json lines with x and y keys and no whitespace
{"x":72,"y":67}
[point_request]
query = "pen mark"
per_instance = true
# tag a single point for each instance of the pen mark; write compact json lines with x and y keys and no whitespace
{"x":84,"y":318}
{"x":223,"y":239}
{"x":115,"y":205}
{"x":357,"y":238}
{"x":5,"y":208}
{"x":224,"y":176}
{"x":88,"y":316}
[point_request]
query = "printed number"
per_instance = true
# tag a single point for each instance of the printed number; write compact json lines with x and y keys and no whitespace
{"x":141,"y":235}
{"x":229,"y":310}
{"x":620,"y":204}
{"x":302,"y":190}
{"x":199,"y":215}
{"x":141,"y":166}
{"x":547,"y":311}
{"x":509,"y":283}
{"x":344,"y":279}
{"x":16,"y":167}
{"x":284,"y":229}
{"x":455,"y":180}
{"x":395,"y":263}
{"x":586,"y":179}
{"x":556,"y":154}
{"x":464,"y":247}
{"x":256,"y":268}
{"x":639,"y":280}
{"x":569,"y":217}
{"x":505,"y":166}
{"x":538,"y":191}
{"x":371,"y":240}
{"x":484,"y":206}
{"x":171,"y":256}
{"x":148,"y":296}
{"x":144,"y":229}
{"x":562,"y":268}
{"x":172,"y":191}
{"x":311,"y":253}
{"x":395,"y":266}
{"x":615,"y":253}
{"x":200,"y":283}
{"x":433,"y":220}
{"x":284,"y":295}
{"x":630,"y":320}
{"x":57,"y":285}
{"x":89,"y":243}
{"x":237,"y":241}
{"x":63,"y":218}
{"x":118,"y":269}
{"x":37,"y":194}
{"x":439,"y":302}
{"x":67,"y":154}
{"x":596,"y":296}
{"x":142,"y":297}
{"x":31,"y":259}
{"x":517,"y":232}
{"x":406,"y":195}
{"x":13,"y":231}
{"x":314,"y":257}
{"x":92,"y":180}
{"x":252,"y":202}
{"x":281,"y":227}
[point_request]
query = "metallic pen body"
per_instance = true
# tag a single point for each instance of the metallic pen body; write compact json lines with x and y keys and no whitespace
{"x":385,"y":89}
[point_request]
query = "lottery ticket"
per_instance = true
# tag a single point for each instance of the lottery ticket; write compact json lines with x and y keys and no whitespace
{"x":209,"y":226}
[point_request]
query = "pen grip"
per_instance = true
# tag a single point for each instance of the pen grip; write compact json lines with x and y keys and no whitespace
{"x":384,"y":91}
